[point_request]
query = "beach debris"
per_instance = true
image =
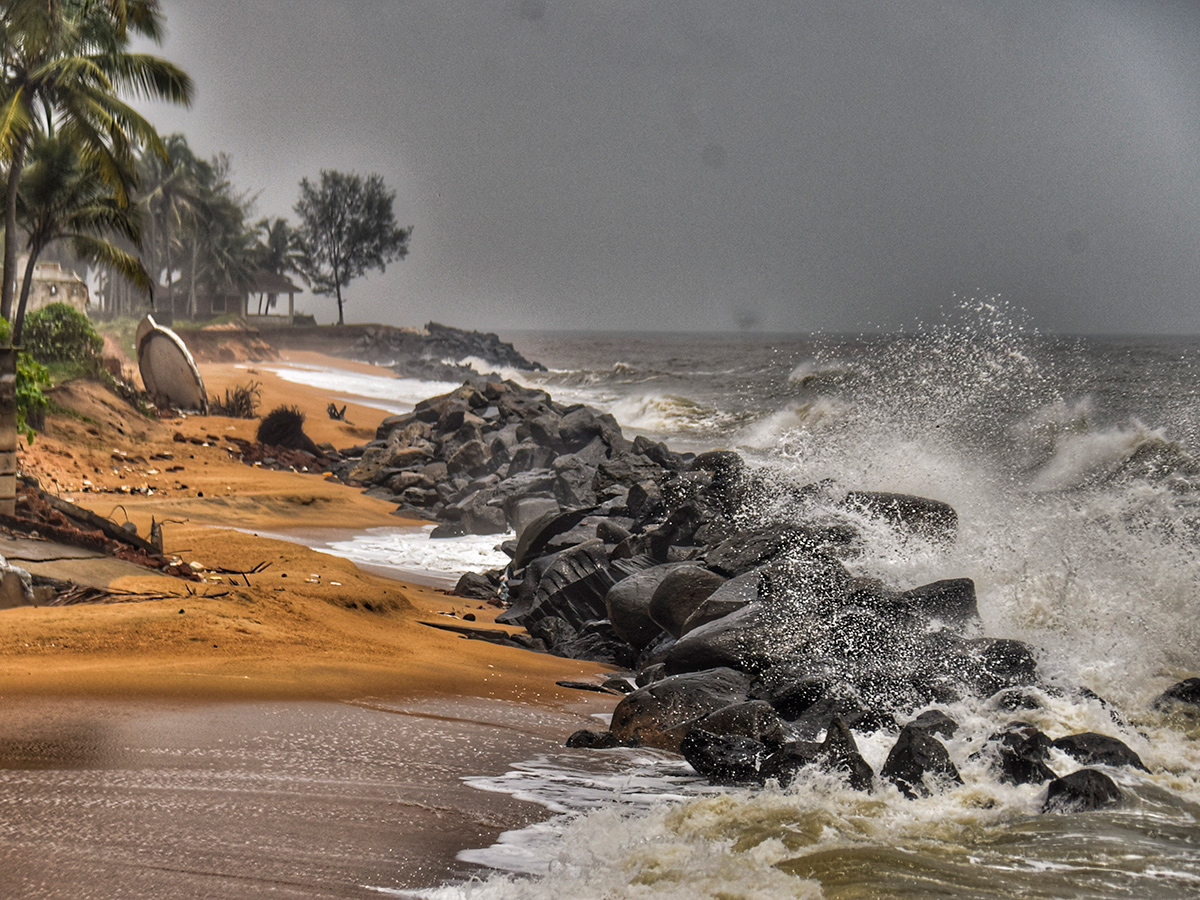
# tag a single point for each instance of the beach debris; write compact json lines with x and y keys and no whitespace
{"x":284,"y":427}
{"x":167,"y":368}
{"x":16,"y":586}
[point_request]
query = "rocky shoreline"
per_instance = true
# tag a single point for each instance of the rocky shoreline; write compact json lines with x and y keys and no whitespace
{"x":724,"y":592}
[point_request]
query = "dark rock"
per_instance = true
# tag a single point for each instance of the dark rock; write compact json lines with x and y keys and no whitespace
{"x":1094,"y":749}
{"x":1186,"y":693}
{"x":680,"y":593}
{"x":841,"y":754}
{"x":724,"y":758}
{"x":629,"y":604}
{"x":729,"y":597}
{"x":611,"y":532}
{"x":918,"y":515}
{"x":1081,"y":791}
{"x":523,"y":511}
{"x":572,"y":587}
{"x":1002,"y":663}
{"x":475,"y":586}
{"x":532,"y":541}
{"x":806,"y":582}
{"x":936,"y":722}
{"x":527,"y":457}
{"x":753,"y":719}
{"x":627,"y":469}
{"x":553,"y":631}
{"x":471,"y":458}
{"x":783,"y":764}
{"x":618,"y":685}
{"x":843,"y":702}
{"x":750,"y":639}
{"x":917,"y":758}
{"x":448,"y":530}
{"x":661,"y":713}
{"x":750,"y":549}
{"x":1020,"y":755}
{"x":951,"y":601}
{"x":593,"y":740}
{"x":793,"y":687}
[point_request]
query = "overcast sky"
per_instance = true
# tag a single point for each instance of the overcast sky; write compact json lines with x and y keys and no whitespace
{"x":807,"y":165}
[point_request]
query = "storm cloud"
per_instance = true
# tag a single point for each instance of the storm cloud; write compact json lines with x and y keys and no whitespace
{"x":796,"y":166}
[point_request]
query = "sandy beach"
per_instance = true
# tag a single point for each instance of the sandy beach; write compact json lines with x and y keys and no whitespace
{"x":308,"y":649}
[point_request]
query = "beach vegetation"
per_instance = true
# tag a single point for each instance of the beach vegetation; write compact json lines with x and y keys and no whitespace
{"x":32,"y":377}
{"x":347,"y":228}
{"x":68,"y":73}
{"x":239,"y":403}
{"x":60,"y":333}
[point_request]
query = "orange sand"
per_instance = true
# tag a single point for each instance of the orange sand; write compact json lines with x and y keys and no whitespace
{"x":283,"y":635}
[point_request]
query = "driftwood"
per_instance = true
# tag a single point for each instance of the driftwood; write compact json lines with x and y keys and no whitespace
{"x":107,"y":526}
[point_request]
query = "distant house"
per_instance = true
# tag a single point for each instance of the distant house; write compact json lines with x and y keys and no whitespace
{"x":53,"y":284}
{"x":262,"y":303}
{"x":264,"y":300}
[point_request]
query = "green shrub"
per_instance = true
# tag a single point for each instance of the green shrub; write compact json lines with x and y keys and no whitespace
{"x":32,"y":376}
{"x":61,"y":333}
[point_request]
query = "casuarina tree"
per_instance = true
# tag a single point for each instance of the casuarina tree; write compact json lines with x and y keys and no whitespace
{"x":346,"y":228}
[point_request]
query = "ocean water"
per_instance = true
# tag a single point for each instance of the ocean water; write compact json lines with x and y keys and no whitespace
{"x":1074,"y":465}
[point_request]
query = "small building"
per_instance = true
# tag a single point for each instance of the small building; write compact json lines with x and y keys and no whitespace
{"x":264,"y":300}
{"x":53,"y":284}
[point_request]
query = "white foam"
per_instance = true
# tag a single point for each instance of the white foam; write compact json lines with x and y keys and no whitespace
{"x":411,"y":551}
{"x":393,"y":395}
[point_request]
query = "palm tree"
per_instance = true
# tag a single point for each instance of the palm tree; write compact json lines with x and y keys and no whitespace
{"x":278,"y":251}
{"x":62,"y":197}
{"x":65,"y":64}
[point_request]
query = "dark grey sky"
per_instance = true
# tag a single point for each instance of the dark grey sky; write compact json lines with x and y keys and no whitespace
{"x":805,"y":165}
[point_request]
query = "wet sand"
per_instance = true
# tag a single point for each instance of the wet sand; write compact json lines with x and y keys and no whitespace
{"x":107,"y":799}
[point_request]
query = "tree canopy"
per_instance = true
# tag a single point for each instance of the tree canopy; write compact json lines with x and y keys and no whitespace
{"x":66,"y":67}
{"x":347,"y":228}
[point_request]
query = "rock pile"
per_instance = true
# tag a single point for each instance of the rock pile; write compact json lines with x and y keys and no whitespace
{"x":757,"y":653}
{"x":438,"y":352}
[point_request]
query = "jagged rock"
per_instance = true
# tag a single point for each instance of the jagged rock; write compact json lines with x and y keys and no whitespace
{"x":661,"y":713}
{"x":533,"y":539}
{"x":1020,"y":755}
{"x":936,"y":722}
{"x":724,"y":758}
{"x":1093,"y":749}
{"x":627,"y":469}
{"x":838,"y":752}
{"x":1081,"y":791}
{"x":680,"y":593}
{"x":471,"y":458}
{"x":523,"y":511}
{"x":572,"y":587}
{"x":917,"y":758}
